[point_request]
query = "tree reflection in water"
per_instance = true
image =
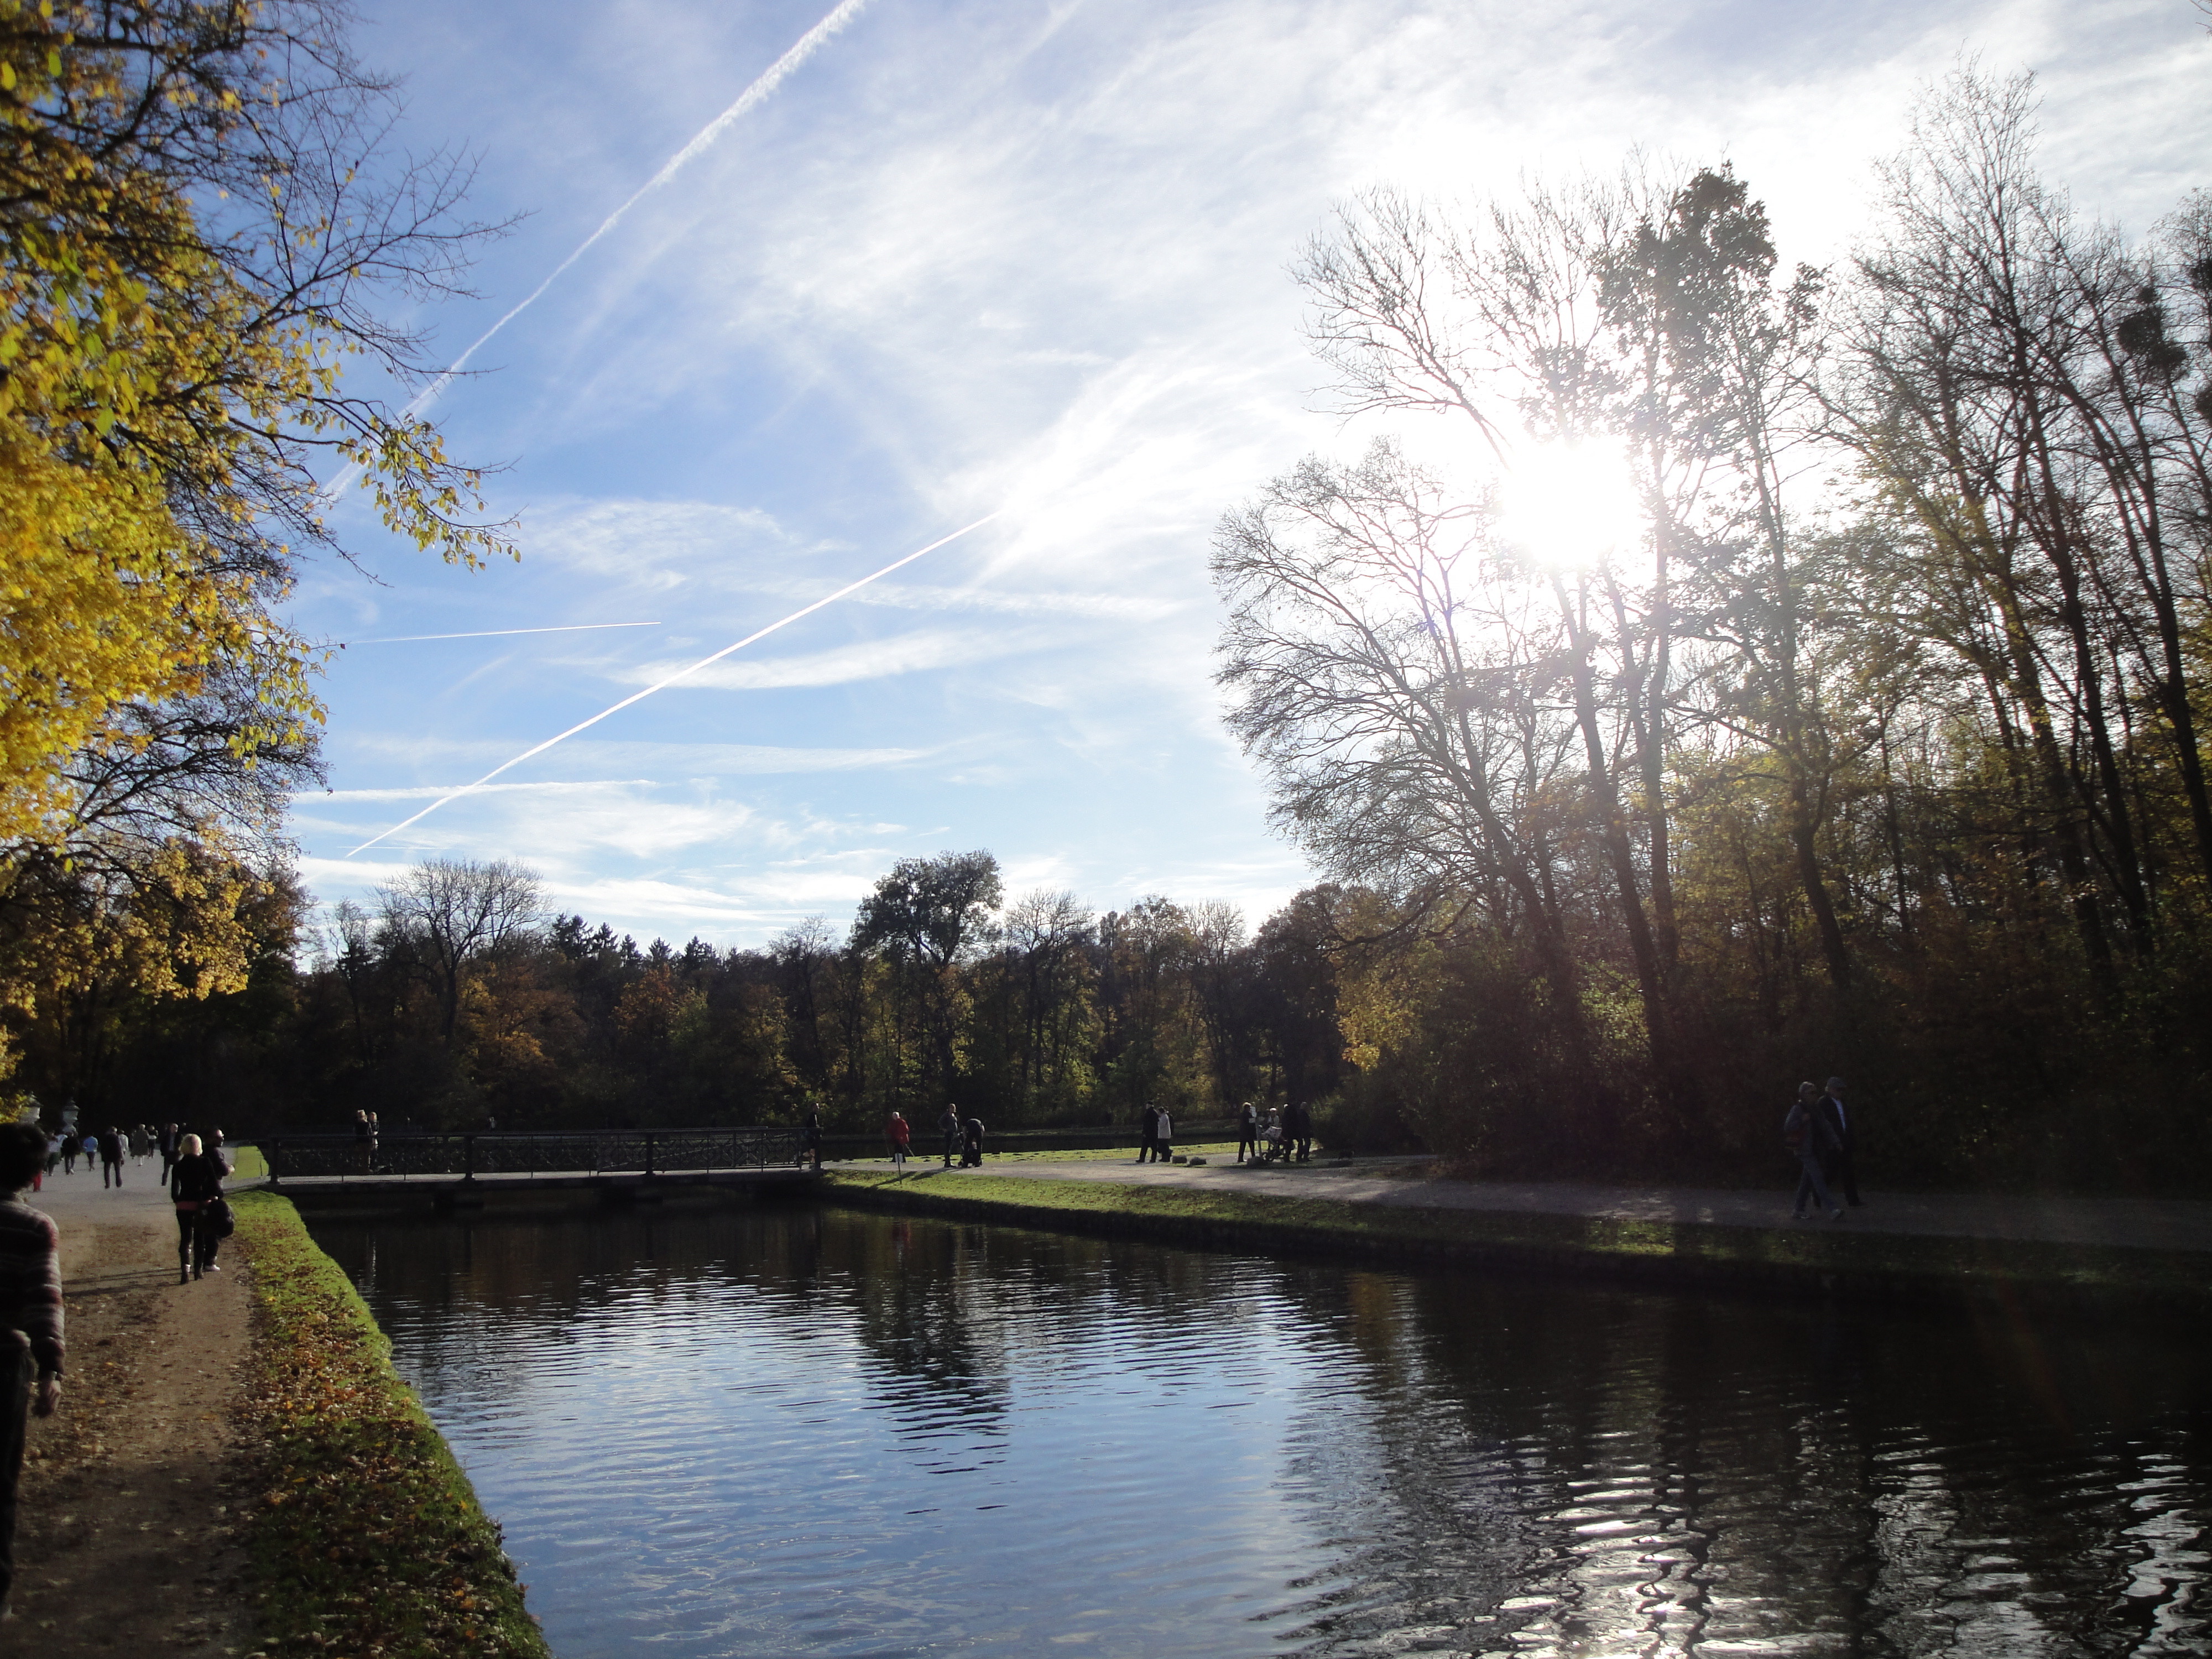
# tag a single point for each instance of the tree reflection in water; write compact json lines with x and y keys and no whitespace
{"x":817,"y":1431}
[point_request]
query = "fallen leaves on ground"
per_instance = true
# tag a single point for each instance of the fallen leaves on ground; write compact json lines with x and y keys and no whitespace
{"x":368,"y":1539}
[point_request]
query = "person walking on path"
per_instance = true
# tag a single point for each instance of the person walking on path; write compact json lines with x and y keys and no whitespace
{"x":1300,"y":1119}
{"x":169,"y":1150}
{"x":1165,"y":1148}
{"x":1248,"y":1131}
{"x":948,"y":1125}
{"x":1148,"y":1132}
{"x":195,"y":1186}
{"x":30,"y":1322}
{"x":1842,"y":1169}
{"x":1805,"y":1131}
{"x":69,"y":1151}
{"x":110,"y":1156}
{"x":897,"y":1130}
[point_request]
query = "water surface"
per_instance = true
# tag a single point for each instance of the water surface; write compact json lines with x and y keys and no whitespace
{"x":822,"y":1432}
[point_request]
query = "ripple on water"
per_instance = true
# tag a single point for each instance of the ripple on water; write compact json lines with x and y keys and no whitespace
{"x":786,"y":1433}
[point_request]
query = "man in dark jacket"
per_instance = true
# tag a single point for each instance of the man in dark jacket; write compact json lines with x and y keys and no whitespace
{"x":1805,"y":1130}
{"x":30,"y":1320}
{"x":1148,"y":1133}
{"x":1842,"y":1169}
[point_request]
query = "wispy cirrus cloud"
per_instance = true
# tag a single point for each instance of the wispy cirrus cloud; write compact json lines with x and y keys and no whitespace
{"x":918,"y":652}
{"x":1029,"y":256}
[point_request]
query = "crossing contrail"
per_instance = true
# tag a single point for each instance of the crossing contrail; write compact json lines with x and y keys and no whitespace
{"x":494,"y":633}
{"x":662,"y":685}
{"x":767,"y":81}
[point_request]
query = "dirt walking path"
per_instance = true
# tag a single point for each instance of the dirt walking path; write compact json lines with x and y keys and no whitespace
{"x":126,"y":1538}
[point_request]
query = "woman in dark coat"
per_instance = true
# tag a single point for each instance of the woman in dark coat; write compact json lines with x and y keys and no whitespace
{"x":195,"y":1185}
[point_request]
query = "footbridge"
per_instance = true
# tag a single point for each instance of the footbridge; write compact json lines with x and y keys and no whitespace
{"x":480,"y":1169}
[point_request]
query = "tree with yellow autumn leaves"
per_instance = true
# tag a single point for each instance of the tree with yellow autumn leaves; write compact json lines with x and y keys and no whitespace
{"x":196,"y":228}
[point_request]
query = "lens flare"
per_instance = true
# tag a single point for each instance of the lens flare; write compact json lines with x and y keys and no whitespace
{"x":1570,"y":505}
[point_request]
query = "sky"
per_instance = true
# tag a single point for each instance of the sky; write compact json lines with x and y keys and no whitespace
{"x":1026,"y":257}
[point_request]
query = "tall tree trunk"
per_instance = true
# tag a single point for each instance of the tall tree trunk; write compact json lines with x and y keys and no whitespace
{"x":1612,"y":827}
{"x":2049,"y":515}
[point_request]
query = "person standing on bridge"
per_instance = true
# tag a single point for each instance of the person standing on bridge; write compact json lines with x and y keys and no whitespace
{"x":812,"y":1137}
{"x":30,"y":1322}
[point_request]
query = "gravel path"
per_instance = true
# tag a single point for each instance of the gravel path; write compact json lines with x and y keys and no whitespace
{"x":124,"y":1541}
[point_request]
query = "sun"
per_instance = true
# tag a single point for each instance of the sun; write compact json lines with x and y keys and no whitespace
{"x":1569,"y":505}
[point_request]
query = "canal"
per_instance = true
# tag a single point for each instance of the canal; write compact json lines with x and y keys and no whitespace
{"x":818,"y":1432}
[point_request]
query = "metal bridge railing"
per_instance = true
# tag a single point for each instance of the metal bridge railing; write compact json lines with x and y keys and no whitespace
{"x":472,"y":1153}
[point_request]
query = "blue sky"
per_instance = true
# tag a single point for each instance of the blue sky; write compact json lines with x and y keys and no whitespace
{"x":976,"y":256}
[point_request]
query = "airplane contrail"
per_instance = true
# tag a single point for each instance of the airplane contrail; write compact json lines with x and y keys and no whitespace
{"x":494,"y":633}
{"x":662,"y":685}
{"x":768,"y":80}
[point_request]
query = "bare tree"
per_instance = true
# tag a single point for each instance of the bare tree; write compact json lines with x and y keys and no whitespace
{"x":454,"y":913}
{"x":1048,"y":933}
{"x":1385,"y":661}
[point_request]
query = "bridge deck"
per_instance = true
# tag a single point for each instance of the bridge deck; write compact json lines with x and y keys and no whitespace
{"x":443,"y":1190}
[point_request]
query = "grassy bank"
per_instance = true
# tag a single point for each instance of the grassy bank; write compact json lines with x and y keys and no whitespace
{"x":368,"y":1539}
{"x":1786,"y":1259}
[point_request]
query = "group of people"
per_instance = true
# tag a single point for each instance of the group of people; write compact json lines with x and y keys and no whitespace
{"x":31,"y":1339}
{"x":366,"y":1133}
{"x":111,"y":1148}
{"x":1155,"y":1134}
{"x":1282,"y":1132}
{"x":1818,"y":1128}
{"x":194,"y":1169}
{"x":963,"y":1137}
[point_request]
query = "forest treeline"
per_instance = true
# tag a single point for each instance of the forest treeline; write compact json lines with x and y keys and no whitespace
{"x":456,"y":1002}
{"x":1806,"y":675}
